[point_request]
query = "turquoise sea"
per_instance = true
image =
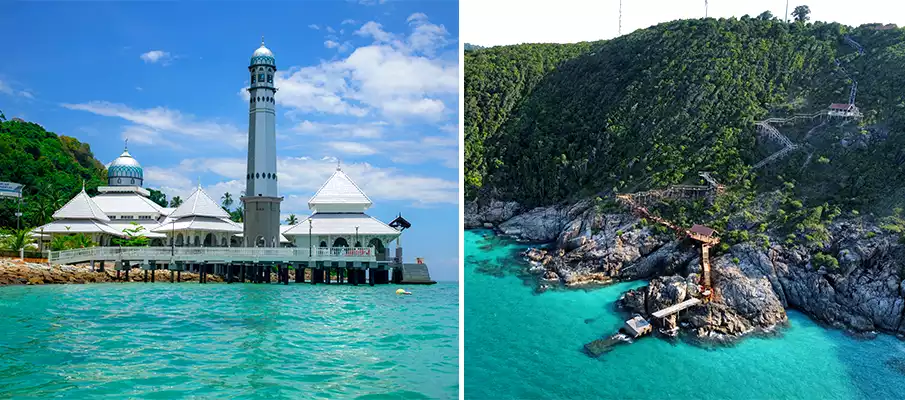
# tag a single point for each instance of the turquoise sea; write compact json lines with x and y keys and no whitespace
{"x":237,"y":341}
{"x":519,"y":345}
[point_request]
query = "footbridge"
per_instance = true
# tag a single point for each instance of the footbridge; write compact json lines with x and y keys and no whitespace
{"x":676,"y":308}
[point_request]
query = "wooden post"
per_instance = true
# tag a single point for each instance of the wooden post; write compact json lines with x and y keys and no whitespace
{"x":370,"y":276}
{"x":242,"y":273}
{"x":327,"y":275}
{"x":171,"y":275}
{"x":299,"y":274}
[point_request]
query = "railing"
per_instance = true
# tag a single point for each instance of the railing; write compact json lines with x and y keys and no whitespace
{"x":198,"y":254}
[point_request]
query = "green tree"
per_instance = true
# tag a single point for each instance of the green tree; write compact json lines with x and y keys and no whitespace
{"x":135,"y":237}
{"x":802,"y":13}
{"x":176,"y":201}
{"x":238,"y":214}
{"x":765,"y":16}
{"x":15,"y":239}
{"x":227,"y":201}
{"x":158,"y":197}
{"x":292,"y":219}
{"x":71,"y":241}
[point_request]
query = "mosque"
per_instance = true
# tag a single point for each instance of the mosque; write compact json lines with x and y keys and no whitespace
{"x":198,"y":234}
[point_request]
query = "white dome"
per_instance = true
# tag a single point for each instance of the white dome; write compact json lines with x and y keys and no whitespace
{"x":262,"y":51}
{"x":125,"y":160}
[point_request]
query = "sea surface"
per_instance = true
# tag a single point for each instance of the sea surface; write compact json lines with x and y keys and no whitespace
{"x":236,"y":341}
{"x":519,"y":345}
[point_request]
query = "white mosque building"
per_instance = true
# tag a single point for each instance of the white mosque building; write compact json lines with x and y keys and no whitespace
{"x":337,"y":236}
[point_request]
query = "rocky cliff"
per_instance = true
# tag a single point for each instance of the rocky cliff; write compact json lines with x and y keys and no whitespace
{"x":753,"y":283}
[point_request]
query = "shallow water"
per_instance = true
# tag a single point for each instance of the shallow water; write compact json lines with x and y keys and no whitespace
{"x":521,"y":345}
{"x":228,"y":341}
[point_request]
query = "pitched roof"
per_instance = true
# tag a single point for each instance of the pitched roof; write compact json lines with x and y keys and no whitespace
{"x":77,"y":226}
{"x":339,"y":189}
{"x":81,"y":207}
{"x":841,"y":106}
{"x":702,"y":230}
{"x":199,"y":204}
{"x":199,"y":223}
{"x":342,"y":224}
{"x":119,"y":203}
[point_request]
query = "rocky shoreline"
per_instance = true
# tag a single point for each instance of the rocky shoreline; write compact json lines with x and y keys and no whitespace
{"x":754,"y":282}
{"x":15,"y":272}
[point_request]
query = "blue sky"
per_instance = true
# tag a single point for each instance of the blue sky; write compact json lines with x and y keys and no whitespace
{"x":372,"y":83}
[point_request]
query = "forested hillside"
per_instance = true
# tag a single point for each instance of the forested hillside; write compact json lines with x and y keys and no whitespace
{"x":51,"y":167}
{"x":547,"y":123}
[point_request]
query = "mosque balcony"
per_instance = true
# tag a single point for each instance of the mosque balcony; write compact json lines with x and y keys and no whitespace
{"x":165,"y":254}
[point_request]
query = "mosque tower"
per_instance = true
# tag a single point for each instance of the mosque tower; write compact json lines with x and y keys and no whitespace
{"x":125,"y":171}
{"x":261,"y":200}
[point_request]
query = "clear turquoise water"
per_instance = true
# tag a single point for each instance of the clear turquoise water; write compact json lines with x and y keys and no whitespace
{"x":521,"y":345}
{"x":235,"y":341}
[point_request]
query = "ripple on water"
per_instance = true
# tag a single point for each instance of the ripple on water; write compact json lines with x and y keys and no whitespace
{"x":228,"y":341}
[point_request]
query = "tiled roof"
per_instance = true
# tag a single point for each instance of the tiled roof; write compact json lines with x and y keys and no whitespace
{"x":81,"y":207}
{"x":341,"y":224}
{"x":339,"y":189}
{"x":199,"y":204}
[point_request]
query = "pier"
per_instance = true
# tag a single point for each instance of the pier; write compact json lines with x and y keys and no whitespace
{"x":248,"y":264}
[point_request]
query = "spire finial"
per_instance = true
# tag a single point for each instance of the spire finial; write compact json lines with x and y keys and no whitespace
{"x":83,"y":184}
{"x":338,"y":165}
{"x":262,"y":40}
{"x":199,"y":181}
{"x":126,"y":147}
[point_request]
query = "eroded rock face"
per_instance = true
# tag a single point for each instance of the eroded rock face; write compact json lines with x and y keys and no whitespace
{"x":756,"y":283}
{"x":493,"y":212}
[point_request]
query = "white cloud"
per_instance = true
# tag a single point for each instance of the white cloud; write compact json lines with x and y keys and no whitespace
{"x":340,"y":47}
{"x":368,"y":130}
{"x":6,"y":88}
{"x":154,"y":56}
{"x":166,"y":122}
{"x":347,"y":22}
{"x":371,"y":2}
{"x":300,"y":177}
{"x":352,"y":148}
{"x":426,"y":37}
{"x":314,"y":26}
{"x":396,"y":76}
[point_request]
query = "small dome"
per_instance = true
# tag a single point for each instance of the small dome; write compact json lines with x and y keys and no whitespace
{"x":263,"y":56}
{"x":125,"y":171}
{"x":262,"y":51}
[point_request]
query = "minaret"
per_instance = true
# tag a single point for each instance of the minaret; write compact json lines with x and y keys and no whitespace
{"x":262,"y":201}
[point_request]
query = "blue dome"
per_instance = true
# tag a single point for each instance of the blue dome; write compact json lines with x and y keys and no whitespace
{"x":125,"y":171}
{"x":263,"y":56}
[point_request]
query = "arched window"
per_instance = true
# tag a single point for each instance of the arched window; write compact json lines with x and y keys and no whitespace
{"x":357,"y":244}
{"x":257,"y":175}
{"x":133,"y":181}
{"x":340,"y":242}
{"x":323,"y":244}
{"x":253,"y":78}
{"x":260,"y":77}
{"x":269,"y":78}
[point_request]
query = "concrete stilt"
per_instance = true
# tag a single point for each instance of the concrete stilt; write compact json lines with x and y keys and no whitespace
{"x":370,"y":276}
{"x":339,"y":274}
{"x":171,"y":275}
{"x":299,"y":274}
{"x":327,"y":275}
{"x":267,"y":270}
{"x":313,"y":276}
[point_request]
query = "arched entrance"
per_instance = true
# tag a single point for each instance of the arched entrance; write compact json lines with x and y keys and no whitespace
{"x":197,"y":241}
{"x":340,"y":242}
{"x":209,"y":240}
{"x":180,"y":240}
{"x":259,"y":242}
{"x":323,"y":244}
{"x":378,"y":246}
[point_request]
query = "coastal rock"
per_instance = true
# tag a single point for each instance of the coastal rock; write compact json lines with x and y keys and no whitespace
{"x":493,"y":212}
{"x":542,"y":224}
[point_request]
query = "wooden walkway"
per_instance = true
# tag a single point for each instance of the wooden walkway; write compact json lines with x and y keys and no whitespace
{"x":676,"y":308}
